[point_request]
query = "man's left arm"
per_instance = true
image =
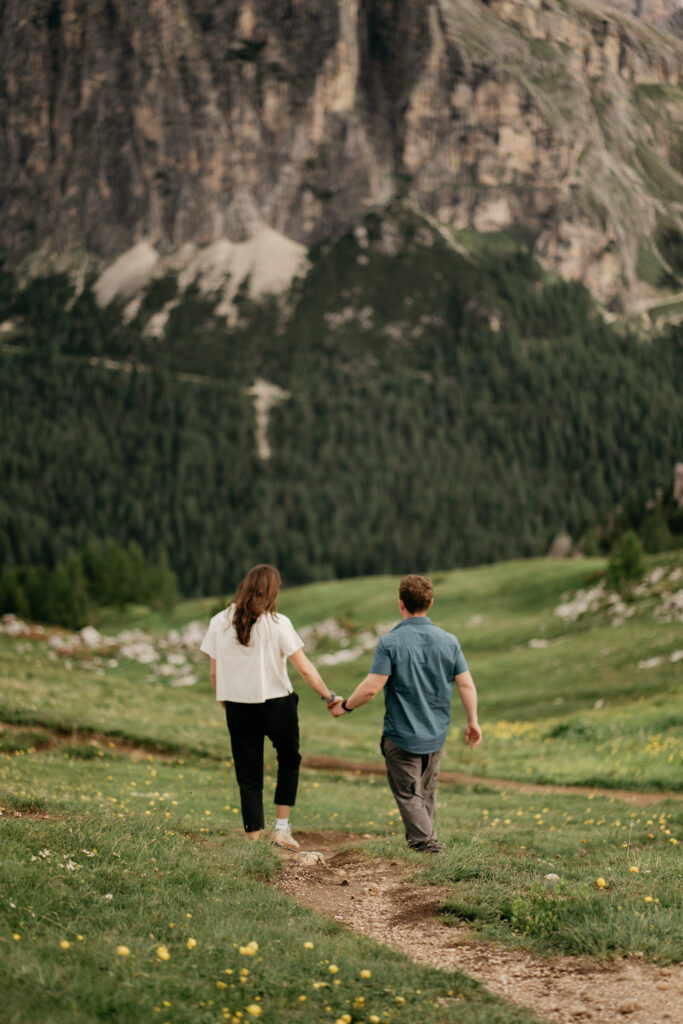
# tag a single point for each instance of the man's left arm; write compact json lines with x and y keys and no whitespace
{"x":363,"y":694}
{"x":468,"y":696}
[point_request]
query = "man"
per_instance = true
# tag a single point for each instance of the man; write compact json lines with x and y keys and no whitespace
{"x":416,"y":664}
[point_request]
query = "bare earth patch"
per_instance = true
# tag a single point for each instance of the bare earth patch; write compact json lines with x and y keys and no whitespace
{"x":372,"y":896}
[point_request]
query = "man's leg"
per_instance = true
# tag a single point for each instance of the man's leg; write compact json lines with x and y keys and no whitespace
{"x":406,"y":773}
{"x":245,"y":725}
{"x":430,"y":776}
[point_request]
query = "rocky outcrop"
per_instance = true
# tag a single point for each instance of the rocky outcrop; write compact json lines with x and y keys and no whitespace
{"x":665,"y":15}
{"x":154,"y":125}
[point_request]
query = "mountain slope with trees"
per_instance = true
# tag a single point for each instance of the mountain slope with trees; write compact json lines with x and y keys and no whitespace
{"x":446,"y":407}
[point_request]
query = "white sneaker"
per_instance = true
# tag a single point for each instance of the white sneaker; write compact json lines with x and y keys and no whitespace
{"x":283,"y":837}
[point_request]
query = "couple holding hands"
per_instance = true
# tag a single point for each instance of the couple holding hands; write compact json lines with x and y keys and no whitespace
{"x":416,"y":664}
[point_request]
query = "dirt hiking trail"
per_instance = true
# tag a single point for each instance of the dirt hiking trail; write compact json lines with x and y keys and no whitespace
{"x":53,"y":737}
{"x":629,"y":796}
{"x":373,"y":897}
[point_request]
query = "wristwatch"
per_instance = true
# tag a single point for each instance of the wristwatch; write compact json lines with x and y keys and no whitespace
{"x":346,"y":709}
{"x":332,"y":696}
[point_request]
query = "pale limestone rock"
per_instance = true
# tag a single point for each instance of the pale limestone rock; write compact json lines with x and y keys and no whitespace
{"x":678,"y":484}
{"x":91,"y":637}
{"x":561,"y":547}
{"x":309,"y":858}
{"x":127,"y":275}
{"x":265,"y":396}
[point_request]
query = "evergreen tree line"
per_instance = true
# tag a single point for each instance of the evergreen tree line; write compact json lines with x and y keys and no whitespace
{"x":478,"y":411}
{"x":103,"y":575}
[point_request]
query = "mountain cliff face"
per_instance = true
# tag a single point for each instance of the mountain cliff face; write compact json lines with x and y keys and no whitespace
{"x":182,"y":124}
{"x":666,"y":15}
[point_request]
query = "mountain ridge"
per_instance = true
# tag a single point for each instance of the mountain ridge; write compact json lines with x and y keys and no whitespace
{"x":197,"y":123}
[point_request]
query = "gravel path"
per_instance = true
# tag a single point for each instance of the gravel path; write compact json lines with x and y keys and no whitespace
{"x":371,"y":896}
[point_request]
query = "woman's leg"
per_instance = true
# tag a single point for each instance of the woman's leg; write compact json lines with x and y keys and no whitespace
{"x":282,"y":728}
{"x":245,"y":724}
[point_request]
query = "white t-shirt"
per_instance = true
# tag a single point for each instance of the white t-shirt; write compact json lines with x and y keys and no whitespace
{"x":250,"y":675}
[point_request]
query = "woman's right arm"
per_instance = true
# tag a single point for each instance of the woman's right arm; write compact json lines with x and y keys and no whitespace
{"x":213,"y":678}
{"x":310,"y":674}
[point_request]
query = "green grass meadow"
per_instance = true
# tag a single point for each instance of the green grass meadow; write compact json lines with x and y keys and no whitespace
{"x":127,"y":889}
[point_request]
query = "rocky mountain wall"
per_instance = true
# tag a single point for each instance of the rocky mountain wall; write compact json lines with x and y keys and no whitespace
{"x":175,"y":122}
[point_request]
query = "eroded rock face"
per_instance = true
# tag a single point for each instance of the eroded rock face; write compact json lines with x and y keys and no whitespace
{"x":665,"y":15}
{"x":161,"y":123}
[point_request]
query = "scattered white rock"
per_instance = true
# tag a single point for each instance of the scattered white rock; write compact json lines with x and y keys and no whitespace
{"x":561,"y":547}
{"x":327,"y":629}
{"x":341,"y":657}
{"x":193,"y":634}
{"x":139,"y":650}
{"x":671,"y":608}
{"x":552,"y":878}
{"x":310,"y":857}
{"x":90,"y":637}
{"x":187,"y":680}
{"x":12,"y":626}
{"x":676,"y":656}
{"x":582,"y":602}
{"x":650,"y":662}
{"x":330,"y":629}
{"x":177,"y":659}
{"x":537,"y":645}
{"x":599,"y":704}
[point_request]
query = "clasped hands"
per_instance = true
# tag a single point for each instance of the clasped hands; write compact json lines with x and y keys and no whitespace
{"x":335,"y":707}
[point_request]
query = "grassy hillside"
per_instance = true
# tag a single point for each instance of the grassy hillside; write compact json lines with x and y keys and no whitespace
{"x":539,"y":679}
{"x":126,"y":878}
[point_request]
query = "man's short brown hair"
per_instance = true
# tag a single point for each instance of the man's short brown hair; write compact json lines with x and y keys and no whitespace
{"x":416,"y":592}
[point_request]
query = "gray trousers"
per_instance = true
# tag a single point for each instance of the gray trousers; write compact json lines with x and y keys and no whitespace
{"x":412,"y":779}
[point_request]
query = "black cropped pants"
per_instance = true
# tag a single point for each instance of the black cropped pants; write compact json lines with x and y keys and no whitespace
{"x":248,"y":725}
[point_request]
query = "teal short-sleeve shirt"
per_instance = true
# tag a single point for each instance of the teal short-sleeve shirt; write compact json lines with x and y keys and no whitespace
{"x":421,"y":661}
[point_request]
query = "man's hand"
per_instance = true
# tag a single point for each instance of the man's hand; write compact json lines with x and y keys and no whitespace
{"x":472,"y":734}
{"x":336,"y":709}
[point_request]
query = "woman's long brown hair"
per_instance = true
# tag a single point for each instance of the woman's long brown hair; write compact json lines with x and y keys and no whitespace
{"x":256,"y":596}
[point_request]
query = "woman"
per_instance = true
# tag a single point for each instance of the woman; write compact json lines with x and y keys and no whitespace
{"x":249,"y":644}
